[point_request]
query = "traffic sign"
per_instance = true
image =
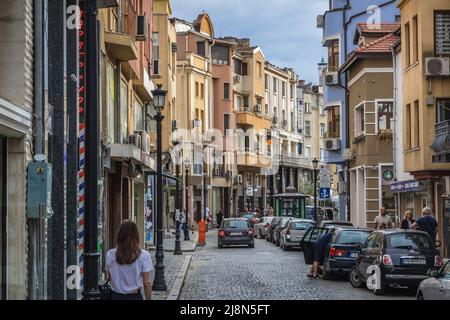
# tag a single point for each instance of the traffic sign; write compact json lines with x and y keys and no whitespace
{"x":325,"y":193}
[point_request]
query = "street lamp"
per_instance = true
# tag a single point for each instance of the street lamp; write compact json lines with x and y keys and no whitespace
{"x":159,"y":97}
{"x":177,"y":250}
{"x":315,"y":163}
{"x":187,"y":163}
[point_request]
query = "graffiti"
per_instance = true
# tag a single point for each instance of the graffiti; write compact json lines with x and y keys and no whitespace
{"x":374,"y":280}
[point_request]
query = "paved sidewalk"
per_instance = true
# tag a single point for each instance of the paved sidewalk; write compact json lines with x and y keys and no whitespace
{"x":186,"y":246}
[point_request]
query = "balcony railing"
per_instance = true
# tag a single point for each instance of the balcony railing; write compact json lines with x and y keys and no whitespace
{"x":296,"y":160}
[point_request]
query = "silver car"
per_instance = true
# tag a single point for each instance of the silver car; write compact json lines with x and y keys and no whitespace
{"x":437,"y":287}
{"x":260,"y":228}
{"x":294,"y":232}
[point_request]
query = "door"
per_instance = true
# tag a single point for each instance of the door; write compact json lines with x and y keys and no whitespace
{"x":3,"y":220}
{"x":307,"y":242}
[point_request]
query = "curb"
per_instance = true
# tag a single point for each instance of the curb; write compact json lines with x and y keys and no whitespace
{"x":179,"y":280}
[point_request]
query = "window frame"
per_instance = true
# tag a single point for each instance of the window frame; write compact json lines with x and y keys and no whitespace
{"x":360,"y":120}
{"x":377,"y":118}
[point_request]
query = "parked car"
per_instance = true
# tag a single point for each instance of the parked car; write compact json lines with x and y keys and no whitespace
{"x":260,"y":228}
{"x":282,"y":224}
{"x":334,"y":223}
{"x":296,"y":229}
{"x":235,"y":231}
{"x":437,"y":287}
{"x":252,"y":217}
{"x":400,"y":257}
{"x":270,"y":228}
{"x":341,"y":254}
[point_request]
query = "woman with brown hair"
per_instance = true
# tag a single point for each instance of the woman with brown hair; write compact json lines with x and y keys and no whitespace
{"x":128,"y":266}
{"x":408,"y":220}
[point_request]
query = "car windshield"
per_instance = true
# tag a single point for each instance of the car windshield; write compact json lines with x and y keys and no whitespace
{"x":248,"y":215}
{"x":235,"y":224}
{"x":408,"y":241}
{"x":337,"y":224}
{"x":301,"y":225}
{"x":353,"y":237}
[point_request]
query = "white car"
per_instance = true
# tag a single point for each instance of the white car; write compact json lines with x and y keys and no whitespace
{"x":260,"y":228}
{"x":437,"y":287}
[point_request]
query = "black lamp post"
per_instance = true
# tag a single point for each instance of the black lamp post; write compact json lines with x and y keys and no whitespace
{"x":159,"y":97}
{"x":177,"y":250}
{"x":315,"y":163}
{"x":186,"y":185}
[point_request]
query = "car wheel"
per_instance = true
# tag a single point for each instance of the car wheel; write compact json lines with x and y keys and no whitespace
{"x":355,"y":278}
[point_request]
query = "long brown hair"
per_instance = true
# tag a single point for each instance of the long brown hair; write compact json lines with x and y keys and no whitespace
{"x":128,"y":249}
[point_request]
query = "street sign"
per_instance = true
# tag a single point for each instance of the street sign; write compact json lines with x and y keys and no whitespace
{"x":325,"y":182}
{"x":325,"y":193}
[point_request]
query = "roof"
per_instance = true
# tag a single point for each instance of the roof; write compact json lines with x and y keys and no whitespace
{"x":374,"y":29}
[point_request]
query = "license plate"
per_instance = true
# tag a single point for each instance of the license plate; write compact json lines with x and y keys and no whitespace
{"x":414,"y":261}
{"x":353,"y":254}
{"x":235,"y":234}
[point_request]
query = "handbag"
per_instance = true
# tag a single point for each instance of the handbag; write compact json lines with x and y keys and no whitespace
{"x":105,"y":291}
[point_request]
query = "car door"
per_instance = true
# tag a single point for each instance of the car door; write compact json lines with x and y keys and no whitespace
{"x":307,"y":242}
{"x":365,"y":258}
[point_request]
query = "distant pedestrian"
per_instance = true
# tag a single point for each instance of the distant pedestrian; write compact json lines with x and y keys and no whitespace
{"x":271,"y":211}
{"x":427,"y":223}
{"x":219,"y":218}
{"x":265,"y":212}
{"x":383,"y":220}
{"x":129,"y":266}
{"x":408,"y":220}
{"x":185,"y":221}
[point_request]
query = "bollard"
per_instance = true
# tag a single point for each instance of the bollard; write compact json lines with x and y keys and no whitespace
{"x":201,"y":233}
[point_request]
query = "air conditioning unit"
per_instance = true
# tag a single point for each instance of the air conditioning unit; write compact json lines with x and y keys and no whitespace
{"x":136,"y":140}
{"x":437,"y":67}
{"x":174,"y":125}
{"x":349,"y":155}
{"x":332,"y":78}
{"x":237,"y":78}
{"x":239,"y":178}
{"x":142,"y":28}
{"x":258,"y":108}
{"x":332,"y":144}
{"x":320,"y":21}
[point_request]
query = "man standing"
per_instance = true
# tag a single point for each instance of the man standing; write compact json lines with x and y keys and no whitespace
{"x":383,"y":220}
{"x":219,"y":218}
{"x":427,"y":223}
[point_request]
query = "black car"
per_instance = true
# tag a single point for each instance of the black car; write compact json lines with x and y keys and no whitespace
{"x":341,"y":254}
{"x":235,"y":231}
{"x":394,"y":257}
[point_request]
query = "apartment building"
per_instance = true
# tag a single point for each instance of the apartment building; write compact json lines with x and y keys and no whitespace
{"x":339,"y":24}
{"x":194,"y":102}
{"x":126,"y":60}
{"x":426,"y":91}
{"x":369,"y":70}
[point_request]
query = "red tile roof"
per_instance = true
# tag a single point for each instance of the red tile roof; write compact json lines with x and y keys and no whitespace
{"x":381,"y":45}
{"x":378,"y":28}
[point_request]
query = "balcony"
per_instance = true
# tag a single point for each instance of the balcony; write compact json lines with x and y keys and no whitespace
{"x":295,"y":160}
{"x":441,"y":143}
{"x":248,"y":116}
{"x":121,"y":46}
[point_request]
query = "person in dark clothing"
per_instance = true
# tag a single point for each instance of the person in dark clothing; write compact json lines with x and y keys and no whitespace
{"x":408,"y":220}
{"x":427,"y":223}
{"x":185,"y":221}
{"x":319,"y":248}
{"x":219,"y":218}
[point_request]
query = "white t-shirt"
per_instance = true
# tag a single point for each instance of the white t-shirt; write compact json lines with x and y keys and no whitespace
{"x":127,"y":279}
{"x":386,"y":220}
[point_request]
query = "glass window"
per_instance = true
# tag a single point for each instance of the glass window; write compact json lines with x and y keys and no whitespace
{"x":201,"y":48}
{"x":202,"y":91}
{"x":226,"y":121}
{"x":443,"y":110}
{"x":226,"y":91}
{"x":235,"y":224}
{"x":138,"y":115}
{"x":385,"y":115}
{"x":308,"y":128}
{"x":322,"y":130}
{"x":245,"y":69}
{"x":266,"y":82}
{"x":155,"y":54}
{"x":259,"y":69}
{"x":238,"y":102}
{"x":123,"y":112}
{"x":446,"y":270}
{"x":275,"y":82}
{"x":408,"y":241}
{"x":353,"y":237}
{"x":111,"y":102}
{"x":359,"y":120}
{"x":333,"y":55}
{"x":220,"y":54}
{"x":237,"y":66}
{"x":283,"y":86}
{"x":302,"y":225}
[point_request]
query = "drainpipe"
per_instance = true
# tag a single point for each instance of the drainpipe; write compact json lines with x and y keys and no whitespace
{"x":394,"y":137}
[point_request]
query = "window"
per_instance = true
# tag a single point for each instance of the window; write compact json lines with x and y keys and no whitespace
{"x":258,"y":180}
{"x":237,"y":66}
{"x":201,"y":48}
{"x":226,"y":122}
{"x":322,"y":130}
{"x":238,"y":102}
{"x":259,"y":69}
{"x":416,"y":124}
{"x":123,"y":112}
{"x":407,"y":45}
{"x":292,"y":121}
{"x":308,"y":128}
{"x":359,"y":120}
{"x":443,"y":110}
{"x":333,"y":55}
{"x":299,"y":148}
{"x":197,"y":89}
{"x":283,"y":86}
{"x":415,"y":39}
{"x":138,"y":115}
{"x":226,"y":91}
{"x":220,"y":54}
{"x":385,"y":115}
{"x":307,"y":107}
{"x":111,"y":101}
{"x":202,"y":91}
{"x":266,"y":82}
{"x":334,"y":122}
{"x":292,"y":92}
{"x":408,"y":142}
{"x":259,"y":103}
{"x":246,"y":103}
{"x":308,"y":152}
{"x":245,"y":69}
{"x":155,"y":41}
{"x":275,"y":82}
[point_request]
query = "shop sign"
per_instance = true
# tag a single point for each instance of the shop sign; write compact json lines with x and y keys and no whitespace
{"x":406,"y":186}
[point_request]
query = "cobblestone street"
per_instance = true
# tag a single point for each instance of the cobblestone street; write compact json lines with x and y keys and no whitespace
{"x":265,"y":272}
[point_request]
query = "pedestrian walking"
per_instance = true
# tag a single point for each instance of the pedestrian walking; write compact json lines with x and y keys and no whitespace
{"x":271,"y":211}
{"x":219,"y":218}
{"x":408,"y":220}
{"x":319,"y":248}
{"x":383,"y":220}
{"x":427,"y":223}
{"x":129,"y":266}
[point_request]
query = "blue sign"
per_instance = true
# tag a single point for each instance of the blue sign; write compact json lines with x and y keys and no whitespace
{"x":325,"y":193}
{"x":406,"y":186}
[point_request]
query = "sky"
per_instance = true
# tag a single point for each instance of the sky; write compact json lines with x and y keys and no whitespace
{"x":284,"y":29}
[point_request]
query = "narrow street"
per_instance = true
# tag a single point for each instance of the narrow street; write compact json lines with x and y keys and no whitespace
{"x":265,"y":272}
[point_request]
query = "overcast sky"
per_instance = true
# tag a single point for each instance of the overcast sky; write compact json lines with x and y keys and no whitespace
{"x":284,"y":29}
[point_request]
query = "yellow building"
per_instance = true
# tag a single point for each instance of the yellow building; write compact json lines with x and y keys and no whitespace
{"x":426,"y":101}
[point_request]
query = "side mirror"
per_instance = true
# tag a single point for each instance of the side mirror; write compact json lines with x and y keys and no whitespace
{"x":433,"y":273}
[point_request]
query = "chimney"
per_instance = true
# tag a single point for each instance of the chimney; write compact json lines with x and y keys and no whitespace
{"x":244,"y":43}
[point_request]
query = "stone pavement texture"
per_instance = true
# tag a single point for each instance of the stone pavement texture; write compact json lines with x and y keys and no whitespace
{"x":264,"y":273}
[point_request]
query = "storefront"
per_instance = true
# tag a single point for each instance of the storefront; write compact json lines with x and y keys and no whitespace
{"x":410,"y":195}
